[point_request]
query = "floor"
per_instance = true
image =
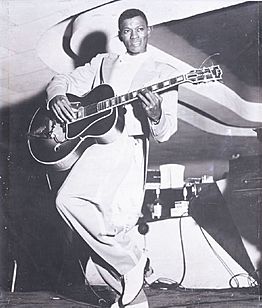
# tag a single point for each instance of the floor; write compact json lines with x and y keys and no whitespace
{"x":80,"y":297}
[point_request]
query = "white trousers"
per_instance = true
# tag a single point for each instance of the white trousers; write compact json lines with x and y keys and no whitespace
{"x":101,"y":199}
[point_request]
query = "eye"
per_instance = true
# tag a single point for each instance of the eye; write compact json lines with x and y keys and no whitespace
{"x":126,"y":31}
{"x":141,"y":29}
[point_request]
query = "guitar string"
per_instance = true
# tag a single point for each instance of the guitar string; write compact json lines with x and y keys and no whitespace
{"x":126,"y":97}
{"x":123,"y":99}
{"x":209,"y":57}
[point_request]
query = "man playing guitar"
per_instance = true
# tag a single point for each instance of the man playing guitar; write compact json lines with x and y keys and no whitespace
{"x":102,"y":196}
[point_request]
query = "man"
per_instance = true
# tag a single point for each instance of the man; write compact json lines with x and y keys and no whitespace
{"x":102,"y":196}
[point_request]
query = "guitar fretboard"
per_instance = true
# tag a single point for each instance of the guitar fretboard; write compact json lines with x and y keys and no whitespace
{"x":128,"y":97}
{"x":131,"y":96}
{"x":195,"y":76}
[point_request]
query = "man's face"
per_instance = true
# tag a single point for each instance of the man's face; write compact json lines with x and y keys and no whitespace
{"x":134,"y":33}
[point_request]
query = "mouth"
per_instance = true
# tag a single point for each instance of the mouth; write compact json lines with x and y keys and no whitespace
{"x":136,"y":44}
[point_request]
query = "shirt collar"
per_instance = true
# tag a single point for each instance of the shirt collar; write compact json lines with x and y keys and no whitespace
{"x":126,"y":57}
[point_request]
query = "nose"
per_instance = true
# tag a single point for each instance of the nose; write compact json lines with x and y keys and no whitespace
{"x":134,"y":34}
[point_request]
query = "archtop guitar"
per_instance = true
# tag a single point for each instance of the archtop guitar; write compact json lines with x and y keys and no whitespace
{"x":98,"y":120}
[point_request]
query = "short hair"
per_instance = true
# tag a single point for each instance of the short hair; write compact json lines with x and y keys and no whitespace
{"x":130,"y":13}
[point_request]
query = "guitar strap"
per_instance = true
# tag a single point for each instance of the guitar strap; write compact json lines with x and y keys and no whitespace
{"x":101,"y":79}
{"x":101,"y":72}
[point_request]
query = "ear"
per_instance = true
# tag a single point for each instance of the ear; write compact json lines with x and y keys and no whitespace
{"x":119,"y":36}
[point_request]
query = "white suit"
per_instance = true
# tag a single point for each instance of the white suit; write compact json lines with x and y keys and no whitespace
{"x":102,"y":196}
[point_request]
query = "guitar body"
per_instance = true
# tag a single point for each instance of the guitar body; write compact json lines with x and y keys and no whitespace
{"x":59,"y":145}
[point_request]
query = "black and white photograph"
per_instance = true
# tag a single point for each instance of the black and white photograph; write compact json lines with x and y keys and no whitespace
{"x":131,"y":153}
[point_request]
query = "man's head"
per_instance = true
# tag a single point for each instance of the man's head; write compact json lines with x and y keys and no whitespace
{"x":134,"y":31}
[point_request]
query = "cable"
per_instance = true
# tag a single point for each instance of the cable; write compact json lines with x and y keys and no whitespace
{"x":221,"y":259}
{"x":251,"y":282}
{"x":166,"y":283}
{"x":182,"y":248}
{"x":209,"y":57}
{"x":102,"y":302}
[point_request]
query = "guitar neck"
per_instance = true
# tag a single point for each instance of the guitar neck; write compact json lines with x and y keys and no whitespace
{"x":131,"y":96}
{"x":196,"y":76}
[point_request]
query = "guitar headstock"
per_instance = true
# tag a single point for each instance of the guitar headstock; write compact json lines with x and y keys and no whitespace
{"x":205,"y":74}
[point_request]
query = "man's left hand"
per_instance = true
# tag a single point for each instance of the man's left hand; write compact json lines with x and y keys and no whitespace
{"x":151,"y":103}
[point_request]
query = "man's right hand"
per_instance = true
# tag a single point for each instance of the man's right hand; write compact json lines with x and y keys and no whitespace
{"x":60,"y":106}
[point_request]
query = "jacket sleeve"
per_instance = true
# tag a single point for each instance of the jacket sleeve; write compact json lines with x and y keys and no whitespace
{"x":167,"y":125}
{"x":78,"y":82}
